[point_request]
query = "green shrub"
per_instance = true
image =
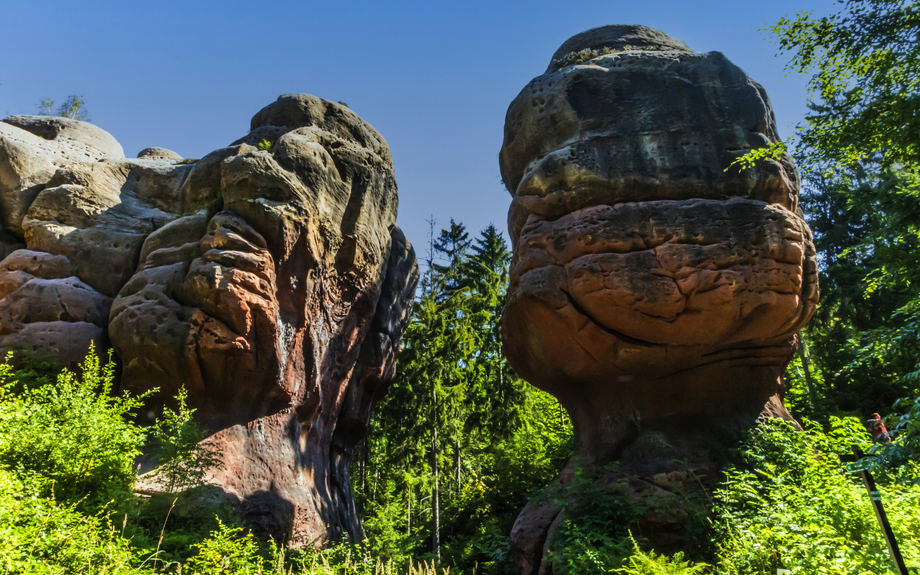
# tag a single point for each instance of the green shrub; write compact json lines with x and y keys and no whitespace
{"x":796,"y":507}
{"x":584,"y":550}
{"x":182,"y":461}
{"x":642,"y":563}
{"x":39,"y":535}
{"x":226,"y":550}
{"x":343,"y":558}
{"x":594,"y":537}
{"x":73,"y":107}
{"x":72,"y":433}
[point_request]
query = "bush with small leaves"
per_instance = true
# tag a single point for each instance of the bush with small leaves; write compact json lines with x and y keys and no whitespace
{"x":794,"y":506}
{"x":74,"y":432}
{"x":227,"y":550}
{"x":41,"y":536}
{"x":182,"y":460}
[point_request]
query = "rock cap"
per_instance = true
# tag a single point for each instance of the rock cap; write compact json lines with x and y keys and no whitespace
{"x":57,"y":127}
{"x":292,"y":111}
{"x":155,"y":153}
{"x":619,"y":37}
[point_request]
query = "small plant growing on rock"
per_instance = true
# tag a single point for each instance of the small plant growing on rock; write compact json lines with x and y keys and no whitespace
{"x":73,"y":107}
{"x":264,"y":145}
{"x":183,"y":462}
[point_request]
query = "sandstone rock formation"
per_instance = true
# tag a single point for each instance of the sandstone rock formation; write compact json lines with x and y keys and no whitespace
{"x":273,"y":285}
{"x":655,"y":288}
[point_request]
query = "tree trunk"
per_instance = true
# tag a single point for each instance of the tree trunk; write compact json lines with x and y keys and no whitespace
{"x":812,"y":395}
{"x":458,"y":471}
{"x":501,"y":370}
{"x":436,"y":515}
{"x":364,"y":473}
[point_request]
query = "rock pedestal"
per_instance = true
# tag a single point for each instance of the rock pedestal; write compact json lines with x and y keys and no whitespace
{"x":655,"y":288}
{"x":269,"y":279}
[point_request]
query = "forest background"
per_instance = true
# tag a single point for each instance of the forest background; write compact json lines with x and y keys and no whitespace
{"x":460,"y":443}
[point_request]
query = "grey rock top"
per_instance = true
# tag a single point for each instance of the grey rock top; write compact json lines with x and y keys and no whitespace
{"x":92,"y":143}
{"x":616,"y":37}
{"x":650,"y":121}
{"x":158,"y":154}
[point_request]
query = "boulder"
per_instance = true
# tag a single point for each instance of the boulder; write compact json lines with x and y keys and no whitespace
{"x":158,"y":154}
{"x":73,"y":137}
{"x":98,"y":214}
{"x":273,"y":285}
{"x":32,"y":148}
{"x":25,"y":168}
{"x":46,"y":309}
{"x":655,"y":287}
{"x":299,"y":286}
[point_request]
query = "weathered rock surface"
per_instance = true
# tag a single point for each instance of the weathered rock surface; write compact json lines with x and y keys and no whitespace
{"x":273,"y":285}
{"x":74,"y":140}
{"x":654,"y":289}
{"x":45,"y":307}
{"x":158,"y":154}
{"x":31,"y":150}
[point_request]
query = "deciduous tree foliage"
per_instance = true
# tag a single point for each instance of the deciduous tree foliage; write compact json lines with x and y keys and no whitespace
{"x":860,"y":157}
{"x":865,"y":83}
{"x":863,"y":339}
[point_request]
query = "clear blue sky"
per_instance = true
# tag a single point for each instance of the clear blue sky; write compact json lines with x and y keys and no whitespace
{"x":435,"y":78}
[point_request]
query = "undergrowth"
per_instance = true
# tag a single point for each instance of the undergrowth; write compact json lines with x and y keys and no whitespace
{"x":67,"y":464}
{"x":796,"y":507}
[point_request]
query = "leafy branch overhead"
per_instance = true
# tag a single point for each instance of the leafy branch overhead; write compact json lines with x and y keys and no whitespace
{"x":865,"y":86}
{"x":750,"y":159}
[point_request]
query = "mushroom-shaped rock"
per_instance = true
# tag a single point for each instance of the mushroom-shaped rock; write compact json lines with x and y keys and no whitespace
{"x":272,"y":284}
{"x":655,"y":287}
